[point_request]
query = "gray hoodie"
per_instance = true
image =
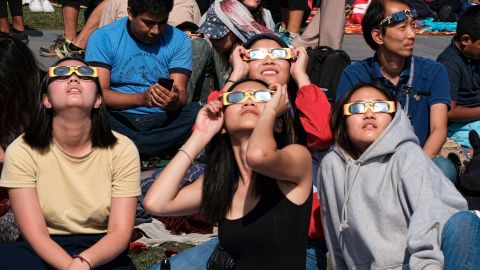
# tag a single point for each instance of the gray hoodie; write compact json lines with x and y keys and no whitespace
{"x":387,"y":209}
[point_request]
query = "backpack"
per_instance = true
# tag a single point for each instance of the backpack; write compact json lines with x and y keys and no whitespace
{"x":325,"y":66}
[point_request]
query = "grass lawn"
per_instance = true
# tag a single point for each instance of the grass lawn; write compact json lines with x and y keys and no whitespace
{"x":146,"y":258}
{"x":54,"y":20}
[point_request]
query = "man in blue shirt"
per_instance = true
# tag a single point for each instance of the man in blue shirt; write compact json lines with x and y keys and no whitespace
{"x":132,"y":54}
{"x":462,"y":60}
{"x":420,"y":84}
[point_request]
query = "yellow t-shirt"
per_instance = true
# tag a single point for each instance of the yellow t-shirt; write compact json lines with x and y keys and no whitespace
{"x":75,"y":193}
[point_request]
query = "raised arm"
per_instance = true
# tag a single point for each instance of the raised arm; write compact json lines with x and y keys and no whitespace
{"x":263,"y":154}
{"x":298,"y":69}
{"x":165,"y":196}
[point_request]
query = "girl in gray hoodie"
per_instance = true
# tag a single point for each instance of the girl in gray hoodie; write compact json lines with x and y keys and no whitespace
{"x":385,"y":205}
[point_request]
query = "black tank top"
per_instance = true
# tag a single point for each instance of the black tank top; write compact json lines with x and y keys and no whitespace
{"x":273,"y":235}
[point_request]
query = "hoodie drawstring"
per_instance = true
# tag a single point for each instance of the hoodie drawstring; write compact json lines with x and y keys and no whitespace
{"x":344,"y":223}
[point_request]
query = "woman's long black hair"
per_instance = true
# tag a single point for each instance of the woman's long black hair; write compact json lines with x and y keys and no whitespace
{"x":39,"y":134}
{"x":19,"y":83}
{"x":222,"y":172}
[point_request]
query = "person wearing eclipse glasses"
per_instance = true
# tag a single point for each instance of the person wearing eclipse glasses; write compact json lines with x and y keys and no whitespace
{"x":385,"y":205}
{"x":421,"y":85}
{"x":267,"y":57}
{"x":72,"y":182}
{"x":262,"y":210}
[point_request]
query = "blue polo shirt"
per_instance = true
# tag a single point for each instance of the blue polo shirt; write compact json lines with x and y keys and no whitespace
{"x":464,"y":76}
{"x":430,"y":79}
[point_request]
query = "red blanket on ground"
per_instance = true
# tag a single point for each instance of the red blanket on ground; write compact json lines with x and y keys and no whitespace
{"x":187,"y":224}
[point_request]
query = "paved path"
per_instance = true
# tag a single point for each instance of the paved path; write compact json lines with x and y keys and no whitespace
{"x":426,"y":45}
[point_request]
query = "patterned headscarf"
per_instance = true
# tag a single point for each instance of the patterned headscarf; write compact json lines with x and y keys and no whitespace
{"x":224,"y":16}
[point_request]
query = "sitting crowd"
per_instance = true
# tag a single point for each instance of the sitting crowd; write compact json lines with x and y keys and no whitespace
{"x":288,"y":174}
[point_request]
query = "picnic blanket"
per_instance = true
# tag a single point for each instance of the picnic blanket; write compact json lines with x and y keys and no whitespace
{"x":155,"y":233}
{"x":192,"y":228}
{"x":424,"y":27}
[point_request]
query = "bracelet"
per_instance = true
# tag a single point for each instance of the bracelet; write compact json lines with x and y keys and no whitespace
{"x":82,"y":259}
{"x":232,"y":81}
{"x":187,"y":154}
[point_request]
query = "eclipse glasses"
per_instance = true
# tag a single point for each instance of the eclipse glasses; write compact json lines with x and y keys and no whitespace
{"x":362,"y":107}
{"x":242,"y":96}
{"x":399,"y":17}
{"x":63,"y":72}
{"x":276,"y":53}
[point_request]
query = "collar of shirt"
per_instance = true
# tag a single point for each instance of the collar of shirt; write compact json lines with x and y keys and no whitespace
{"x":466,"y":58}
{"x":377,"y":73}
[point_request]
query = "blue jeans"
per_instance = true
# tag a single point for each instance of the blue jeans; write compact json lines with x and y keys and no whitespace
{"x":461,"y":242}
{"x":316,"y":255}
{"x":196,"y":258}
{"x":157,"y":134}
{"x":447,"y":167}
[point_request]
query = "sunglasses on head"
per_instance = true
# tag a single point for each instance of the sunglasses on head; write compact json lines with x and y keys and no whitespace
{"x":242,"y":96}
{"x":63,"y":72}
{"x":362,"y":107}
{"x":399,"y":17}
{"x":277,"y":53}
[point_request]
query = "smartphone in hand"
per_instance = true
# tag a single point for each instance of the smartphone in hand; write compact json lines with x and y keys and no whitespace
{"x":167,"y":83}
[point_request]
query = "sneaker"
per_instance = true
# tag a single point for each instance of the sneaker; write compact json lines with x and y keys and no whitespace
{"x":49,"y":50}
{"x":69,"y":50}
{"x":35,"y":6}
{"x":47,"y":6}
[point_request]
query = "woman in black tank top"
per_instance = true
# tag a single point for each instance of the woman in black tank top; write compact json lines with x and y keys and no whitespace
{"x":257,"y":182}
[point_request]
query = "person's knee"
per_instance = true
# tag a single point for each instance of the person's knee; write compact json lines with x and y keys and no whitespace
{"x":464,"y":217}
{"x":462,"y":220}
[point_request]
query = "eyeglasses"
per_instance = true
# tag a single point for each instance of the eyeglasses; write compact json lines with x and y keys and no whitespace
{"x":63,"y":72}
{"x":242,"y":96}
{"x":277,"y":53}
{"x":399,"y":17}
{"x":362,"y":107}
